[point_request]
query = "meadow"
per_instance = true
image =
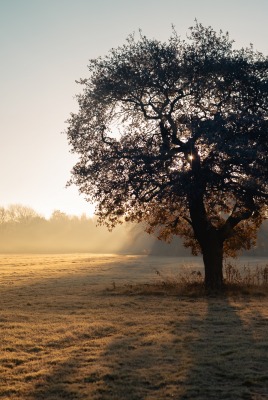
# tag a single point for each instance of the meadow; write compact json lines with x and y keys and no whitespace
{"x":104,"y":327}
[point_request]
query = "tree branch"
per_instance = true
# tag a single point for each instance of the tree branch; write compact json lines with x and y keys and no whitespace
{"x":227,"y":230}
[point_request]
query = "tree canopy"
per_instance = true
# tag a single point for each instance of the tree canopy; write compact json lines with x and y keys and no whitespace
{"x":174,"y":134}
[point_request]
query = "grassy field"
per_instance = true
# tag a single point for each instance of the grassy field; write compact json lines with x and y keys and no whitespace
{"x":96,"y":327}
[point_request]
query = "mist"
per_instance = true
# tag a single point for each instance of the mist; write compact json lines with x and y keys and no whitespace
{"x":23,"y":230}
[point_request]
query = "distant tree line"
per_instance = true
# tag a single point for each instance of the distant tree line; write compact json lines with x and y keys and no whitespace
{"x":23,"y":230}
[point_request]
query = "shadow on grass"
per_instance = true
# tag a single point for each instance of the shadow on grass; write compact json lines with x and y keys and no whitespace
{"x":207,"y":354}
{"x":229,"y":362}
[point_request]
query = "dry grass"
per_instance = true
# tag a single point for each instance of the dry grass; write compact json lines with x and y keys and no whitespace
{"x":238,"y":280}
{"x":83,"y":327}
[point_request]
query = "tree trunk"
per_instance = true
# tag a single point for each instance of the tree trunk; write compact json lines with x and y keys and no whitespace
{"x":208,"y":236}
{"x":213,"y":261}
{"x":211,"y":243}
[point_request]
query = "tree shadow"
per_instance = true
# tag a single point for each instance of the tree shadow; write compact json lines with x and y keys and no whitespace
{"x":214,"y":354}
{"x":229,"y":362}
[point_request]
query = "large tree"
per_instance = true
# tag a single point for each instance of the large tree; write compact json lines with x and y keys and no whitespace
{"x":174,"y":134}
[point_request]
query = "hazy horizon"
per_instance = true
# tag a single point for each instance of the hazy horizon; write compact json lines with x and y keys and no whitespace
{"x":23,"y":230}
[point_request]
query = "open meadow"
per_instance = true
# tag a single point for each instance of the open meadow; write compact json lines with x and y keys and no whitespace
{"x":103,"y":327}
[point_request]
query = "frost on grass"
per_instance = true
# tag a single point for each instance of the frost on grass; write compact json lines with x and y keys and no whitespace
{"x":63,"y":335}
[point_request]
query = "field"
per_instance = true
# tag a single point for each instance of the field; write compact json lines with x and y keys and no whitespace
{"x":97,"y":327}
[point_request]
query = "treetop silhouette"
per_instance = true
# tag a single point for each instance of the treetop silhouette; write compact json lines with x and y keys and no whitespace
{"x":174,"y":135}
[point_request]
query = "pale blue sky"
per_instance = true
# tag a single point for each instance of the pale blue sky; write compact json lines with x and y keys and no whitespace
{"x":45,"y":46}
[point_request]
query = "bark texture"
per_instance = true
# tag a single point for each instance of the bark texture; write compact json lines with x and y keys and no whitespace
{"x":213,"y":261}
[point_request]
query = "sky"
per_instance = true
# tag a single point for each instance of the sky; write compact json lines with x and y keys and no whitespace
{"x":45,"y":46}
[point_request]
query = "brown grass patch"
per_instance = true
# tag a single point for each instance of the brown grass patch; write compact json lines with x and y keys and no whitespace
{"x":65,"y":336}
{"x":237,"y":281}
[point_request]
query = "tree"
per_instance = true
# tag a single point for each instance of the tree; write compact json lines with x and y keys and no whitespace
{"x":174,"y":135}
{"x":20,"y":214}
